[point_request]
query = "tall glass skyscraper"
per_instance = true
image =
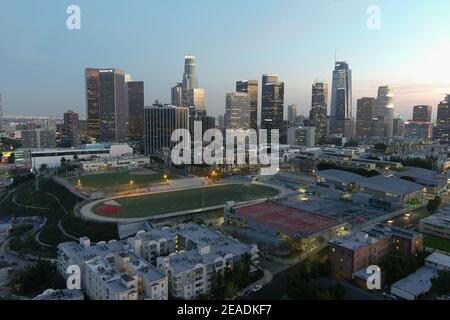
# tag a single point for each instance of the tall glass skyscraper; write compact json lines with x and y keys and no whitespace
{"x":251,"y":88}
{"x":386,"y":108}
{"x":190,"y":73}
{"x":342,"y":121}
{"x":107,"y":112}
{"x":135,"y":101}
{"x":319,"y":109}
{"x":272,"y":102}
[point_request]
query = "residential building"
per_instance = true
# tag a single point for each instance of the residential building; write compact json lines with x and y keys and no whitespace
{"x":61,"y":294}
{"x":351,"y":254}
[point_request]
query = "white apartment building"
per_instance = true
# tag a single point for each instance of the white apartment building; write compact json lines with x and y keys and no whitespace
{"x":104,"y":282}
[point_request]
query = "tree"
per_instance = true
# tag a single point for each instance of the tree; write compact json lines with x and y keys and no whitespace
{"x":351,"y":144}
{"x":43,"y":167}
{"x":441,"y":284}
{"x":433,"y":205}
{"x":12,"y":158}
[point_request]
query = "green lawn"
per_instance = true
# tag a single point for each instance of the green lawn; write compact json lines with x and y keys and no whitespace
{"x":143,"y":206}
{"x":112,"y":179}
{"x":436,"y":243}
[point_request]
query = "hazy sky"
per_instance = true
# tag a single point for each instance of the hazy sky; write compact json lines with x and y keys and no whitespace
{"x":42,"y":62}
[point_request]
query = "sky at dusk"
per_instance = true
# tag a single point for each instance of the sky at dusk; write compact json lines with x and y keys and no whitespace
{"x":42,"y":62}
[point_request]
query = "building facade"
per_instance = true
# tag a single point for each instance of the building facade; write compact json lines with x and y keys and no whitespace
{"x":238,"y":111}
{"x":366,"y":112}
{"x":318,"y":115}
{"x":135,"y":102}
{"x":251,"y":88}
{"x":272,"y":102}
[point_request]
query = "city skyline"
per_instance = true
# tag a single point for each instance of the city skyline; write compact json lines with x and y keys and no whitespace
{"x":415,"y":72}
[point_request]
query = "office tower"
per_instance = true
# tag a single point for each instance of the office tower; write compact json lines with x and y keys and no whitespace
{"x":237,"y":111}
{"x":319,"y":109}
{"x":196,"y":99}
{"x":221,"y":121}
{"x":177,"y":95}
{"x":159,"y":123}
{"x":38,"y":139}
{"x":342,"y":122}
{"x":190,"y":73}
{"x":106,"y":104}
{"x":92,"y":102}
{"x":272,"y":103}
{"x":398,"y":126}
{"x":366,"y":111}
{"x":190,"y":81}
{"x":292,"y":113}
{"x":251,"y":88}
{"x":422,"y":113}
{"x":378,"y":127}
{"x":386,"y":108}
{"x":82,"y":125}
{"x":301,"y":136}
{"x":135,"y":103}
{"x":1,"y":113}
{"x":442,"y":132}
{"x":418,"y":130}
{"x":70,"y":121}
{"x":74,"y":138}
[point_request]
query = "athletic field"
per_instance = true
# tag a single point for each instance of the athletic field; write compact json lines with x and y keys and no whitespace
{"x":139,"y":179}
{"x":168,"y":202}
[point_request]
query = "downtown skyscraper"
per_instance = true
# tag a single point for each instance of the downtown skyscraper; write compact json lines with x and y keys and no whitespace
{"x":386,"y":109}
{"x":107,"y":113}
{"x":366,"y":116}
{"x":319,"y":110}
{"x":251,"y":88}
{"x":135,"y":104}
{"x":442,"y":132}
{"x":272,"y":102}
{"x":342,"y":122}
{"x":237,"y":111}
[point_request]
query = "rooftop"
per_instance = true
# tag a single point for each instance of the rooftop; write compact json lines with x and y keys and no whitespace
{"x":289,"y":220}
{"x":439,"y":219}
{"x":417,"y":283}
{"x":439,"y":259}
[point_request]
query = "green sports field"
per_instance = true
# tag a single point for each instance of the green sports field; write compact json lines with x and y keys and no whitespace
{"x":156,"y":204}
{"x":115,"y":179}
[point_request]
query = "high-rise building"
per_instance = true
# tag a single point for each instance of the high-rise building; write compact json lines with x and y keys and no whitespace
{"x":196,"y":99}
{"x":366,"y":111}
{"x":342,"y":122}
{"x":418,"y":130}
{"x":92,"y":102}
{"x":159,"y":123}
{"x":177,"y":95}
{"x":301,"y":136}
{"x":272,"y":102}
{"x":386,"y":108}
{"x":135,"y":101}
{"x":71,"y":119}
{"x":190,"y":81}
{"x":251,"y":88}
{"x":221,"y":121}
{"x":422,"y":113}
{"x":292,"y":113}
{"x":442,"y":132}
{"x":319,"y":109}
{"x":1,"y":113}
{"x":38,"y":139}
{"x":106,"y":104}
{"x":237,"y":111}
{"x":398,"y":126}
